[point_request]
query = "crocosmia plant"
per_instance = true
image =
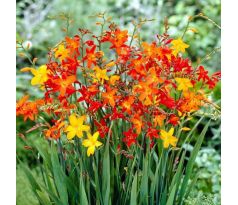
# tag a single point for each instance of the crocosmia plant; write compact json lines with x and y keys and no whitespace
{"x":116,"y":115}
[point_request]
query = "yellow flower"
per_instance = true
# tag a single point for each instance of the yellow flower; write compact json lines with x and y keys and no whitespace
{"x":61,"y":52}
{"x":178,"y":46}
{"x":91,"y":143}
{"x":168,"y":138}
{"x":101,"y":74}
{"x":76,"y":127}
{"x":184,"y":83}
{"x":40,"y":75}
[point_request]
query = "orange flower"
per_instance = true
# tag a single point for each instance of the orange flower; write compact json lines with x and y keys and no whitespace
{"x":191,"y":102}
{"x":119,"y":38}
{"x":55,"y":131}
{"x":92,"y":56}
{"x":73,"y":44}
{"x":113,"y":79}
{"x":150,"y":50}
{"x":137,"y":123}
{"x":159,"y":120}
{"x":65,"y":84}
{"x":28,"y":109}
{"x":109,"y":96}
{"x":127,"y":103}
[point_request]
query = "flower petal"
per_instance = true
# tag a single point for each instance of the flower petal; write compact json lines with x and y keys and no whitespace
{"x":166,"y":143}
{"x":80,"y":120}
{"x":163,"y":134}
{"x":85,"y":128}
{"x":98,"y":144}
{"x":171,"y":131}
{"x":90,"y":151}
{"x":35,"y":80}
{"x":86,"y":143}
{"x":173,"y":141}
{"x":79,"y":133}
{"x":73,"y":120}
{"x":95,"y":136}
{"x":69,"y":128}
{"x":71,"y":134}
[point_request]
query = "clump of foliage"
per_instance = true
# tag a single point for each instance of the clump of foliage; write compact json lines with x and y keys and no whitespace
{"x":115,"y":113}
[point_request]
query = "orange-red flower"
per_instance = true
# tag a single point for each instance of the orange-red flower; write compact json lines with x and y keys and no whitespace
{"x":73,"y":45}
{"x":27,"y":108}
{"x":127,"y":103}
{"x":63,"y":84}
{"x":137,"y":123}
{"x":55,"y":130}
{"x":109,"y":96}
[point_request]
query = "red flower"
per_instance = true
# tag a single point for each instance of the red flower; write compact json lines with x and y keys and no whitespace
{"x":116,"y":115}
{"x":179,"y":64}
{"x":173,"y":119}
{"x":166,"y":100}
{"x":202,"y":74}
{"x":152,"y":133}
{"x":94,"y":106}
{"x":130,"y":137}
{"x":87,"y":93}
{"x":70,"y":65}
{"x":216,"y":77}
{"x":102,"y":127}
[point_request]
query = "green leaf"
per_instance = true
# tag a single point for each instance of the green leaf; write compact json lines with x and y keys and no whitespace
{"x":45,"y":154}
{"x":191,"y":163}
{"x":35,"y":186}
{"x":82,"y":193}
{"x":97,"y":185}
{"x":53,"y":197}
{"x":154,"y":182}
{"x":171,"y":196}
{"x":129,"y":178}
{"x":48,"y":179}
{"x":59,"y":176}
{"x":164,"y":194}
{"x":133,"y":200}
{"x":177,"y":177}
{"x":44,"y":197}
{"x":106,"y":175}
{"x":144,"y":182}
